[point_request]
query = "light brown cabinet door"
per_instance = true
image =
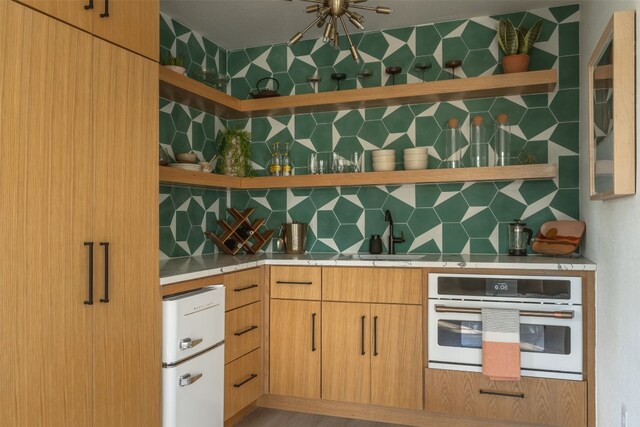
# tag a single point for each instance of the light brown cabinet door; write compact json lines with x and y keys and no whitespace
{"x":127,"y":328}
{"x":132,"y":24}
{"x":73,"y":12}
{"x":295,"y":331}
{"x":396,"y":361}
{"x":45,"y":217}
{"x":346,"y":358}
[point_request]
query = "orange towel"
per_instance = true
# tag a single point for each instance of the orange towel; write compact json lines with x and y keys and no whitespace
{"x":501,"y":344}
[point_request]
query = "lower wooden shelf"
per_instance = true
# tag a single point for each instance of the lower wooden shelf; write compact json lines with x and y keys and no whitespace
{"x":496,"y":173}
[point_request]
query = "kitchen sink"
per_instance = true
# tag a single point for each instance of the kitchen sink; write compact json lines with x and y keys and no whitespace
{"x":387,"y":257}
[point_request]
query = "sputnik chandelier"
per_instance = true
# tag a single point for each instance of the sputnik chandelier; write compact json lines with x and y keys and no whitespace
{"x":329,"y":12}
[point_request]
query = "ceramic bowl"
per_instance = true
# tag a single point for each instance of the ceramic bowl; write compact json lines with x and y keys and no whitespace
{"x":186,"y":157}
{"x":383,"y":153}
{"x":415,"y":164}
{"x":415,"y":157}
{"x":384,"y":166}
{"x":416,"y":150}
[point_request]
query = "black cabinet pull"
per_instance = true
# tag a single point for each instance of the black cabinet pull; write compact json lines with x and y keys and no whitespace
{"x":106,"y":10}
{"x":246,"y":288}
{"x":106,"y":272}
{"x":284,"y":282}
{"x":244,"y":331}
{"x":90,"y":300}
{"x":313,"y":331}
{"x":502,"y":393}
{"x":375,"y":335}
{"x":252,"y":376}
{"x":89,"y":6}
{"x":362,"y":335}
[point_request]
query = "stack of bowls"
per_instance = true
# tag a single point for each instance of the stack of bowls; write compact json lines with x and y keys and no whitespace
{"x":383,"y":160}
{"x":416,"y":158}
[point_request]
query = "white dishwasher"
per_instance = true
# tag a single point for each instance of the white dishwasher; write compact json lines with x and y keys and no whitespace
{"x":193,"y":358}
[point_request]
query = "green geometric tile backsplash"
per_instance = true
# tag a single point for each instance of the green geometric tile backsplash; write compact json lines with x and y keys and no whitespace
{"x":444,"y":218}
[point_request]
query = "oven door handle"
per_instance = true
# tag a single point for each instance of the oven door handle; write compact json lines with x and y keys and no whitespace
{"x":562,"y":314}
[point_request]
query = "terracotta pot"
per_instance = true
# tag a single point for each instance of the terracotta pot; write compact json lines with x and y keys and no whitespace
{"x":515,"y":63}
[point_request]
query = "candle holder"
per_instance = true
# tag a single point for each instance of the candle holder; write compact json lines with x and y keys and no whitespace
{"x":365,"y":74}
{"x":422,"y":67}
{"x":453,"y":64}
{"x":338,"y":77}
{"x":314,"y":80}
{"x":392,"y":71}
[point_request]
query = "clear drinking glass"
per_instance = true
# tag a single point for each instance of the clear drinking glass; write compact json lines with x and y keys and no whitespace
{"x":357,"y":161}
{"x":339,"y":164}
{"x":323,"y":163}
{"x":312,"y":164}
{"x":478,"y":143}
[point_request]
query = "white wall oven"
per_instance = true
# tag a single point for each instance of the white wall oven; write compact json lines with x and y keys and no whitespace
{"x":550,"y":321}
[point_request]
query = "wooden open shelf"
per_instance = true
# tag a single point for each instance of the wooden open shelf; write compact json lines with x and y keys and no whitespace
{"x":497,"y":173}
{"x":194,"y":94}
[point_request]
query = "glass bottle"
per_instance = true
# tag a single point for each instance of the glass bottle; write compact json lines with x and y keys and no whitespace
{"x":453,"y":144}
{"x":478,"y":143}
{"x":275,"y":165}
{"x":286,"y":161}
{"x":503,"y":140}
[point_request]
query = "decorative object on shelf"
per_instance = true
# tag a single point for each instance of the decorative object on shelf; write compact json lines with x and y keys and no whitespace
{"x":453,"y":64}
{"x":559,"y":237}
{"x":392,"y":71}
{"x":612,"y":123}
{"x":454,"y":143}
{"x":265,"y":92}
{"x":234,"y":146}
{"x":241,"y":234}
{"x":314,"y":80}
{"x":516,"y":44}
{"x":275,"y":164}
{"x":207,"y":75}
{"x":221,"y":82}
{"x":287,"y":167}
{"x":175,"y":63}
{"x":527,"y":158}
{"x":189,"y":157}
{"x":338,"y":77}
{"x":502,"y":137}
{"x":165,"y":158}
{"x":365,"y":74}
{"x":329,"y":12}
{"x":416,"y":158}
{"x":422,"y":67}
{"x":478,"y":143}
{"x":519,"y":238}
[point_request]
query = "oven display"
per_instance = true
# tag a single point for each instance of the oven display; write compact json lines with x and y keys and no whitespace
{"x":502,"y":288}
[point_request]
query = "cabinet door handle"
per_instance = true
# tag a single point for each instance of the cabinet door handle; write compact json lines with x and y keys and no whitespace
{"x":362,"y":335}
{"x":90,"y":300}
{"x":313,"y":331}
{"x":246,"y":288}
{"x":188,"y":379}
{"x":89,"y":6}
{"x":502,"y":393}
{"x":284,"y":282}
{"x":375,"y":335}
{"x":106,"y":10}
{"x":106,"y":272}
{"x":240,"y":384}
{"x":244,"y":331}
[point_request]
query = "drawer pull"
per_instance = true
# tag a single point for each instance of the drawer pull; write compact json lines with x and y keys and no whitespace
{"x":284,"y":282}
{"x":246,"y":288}
{"x":502,"y":393}
{"x":244,"y":331}
{"x":252,"y":376}
{"x":375,"y":335}
{"x":313,"y":331}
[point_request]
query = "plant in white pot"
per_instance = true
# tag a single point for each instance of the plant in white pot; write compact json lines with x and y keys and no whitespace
{"x":516,"y":44}
{"x":234,"y":146}
{"x":174,"y":63}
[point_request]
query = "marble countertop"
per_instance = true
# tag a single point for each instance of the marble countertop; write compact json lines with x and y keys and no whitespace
{"x":188,"y":268}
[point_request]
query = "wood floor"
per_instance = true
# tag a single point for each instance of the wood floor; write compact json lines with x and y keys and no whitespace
{"x":264,"y":417}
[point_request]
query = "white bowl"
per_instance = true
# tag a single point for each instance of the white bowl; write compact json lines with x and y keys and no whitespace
{"x":383,"y":153}
{"x":415,"y":164}
{"x":383,"y":160}
{"x":416,"y":150}
{"x":415,"y":156}
{"x":384,"y":167}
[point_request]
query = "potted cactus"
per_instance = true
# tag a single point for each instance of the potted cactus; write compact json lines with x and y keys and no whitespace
{"x":516,"y":44}
{"x":174,"y":63}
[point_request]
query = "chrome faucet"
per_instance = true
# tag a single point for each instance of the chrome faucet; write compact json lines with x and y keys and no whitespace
{"x":392,"y":239}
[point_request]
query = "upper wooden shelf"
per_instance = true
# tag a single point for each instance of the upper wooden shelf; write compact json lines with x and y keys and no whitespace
{"x":194,"y":94}
{"x":498,"y":173}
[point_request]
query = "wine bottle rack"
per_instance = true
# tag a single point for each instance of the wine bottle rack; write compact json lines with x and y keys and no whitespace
{"x":241,"y":233}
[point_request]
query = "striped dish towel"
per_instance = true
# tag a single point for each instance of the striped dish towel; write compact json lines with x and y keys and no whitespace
{"x":501,"y":344}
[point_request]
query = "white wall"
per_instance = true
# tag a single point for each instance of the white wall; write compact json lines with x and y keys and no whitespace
{"x":613,"y":242}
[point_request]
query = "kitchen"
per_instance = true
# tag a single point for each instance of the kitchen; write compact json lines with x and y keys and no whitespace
{"x":605,"y":220}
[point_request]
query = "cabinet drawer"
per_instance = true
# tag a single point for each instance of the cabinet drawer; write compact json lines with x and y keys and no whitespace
{"x":243,"y":328}
{"x":242,"y":288}
{"x":296,"y":282}
{"x":242,"y":383}
{"x":367,"y":284}
{"x":534,"y":400}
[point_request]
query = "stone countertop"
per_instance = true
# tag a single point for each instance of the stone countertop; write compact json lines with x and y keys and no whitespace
{"x":180,"y":269}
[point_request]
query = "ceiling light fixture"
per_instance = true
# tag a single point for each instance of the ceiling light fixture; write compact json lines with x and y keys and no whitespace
{"x":329,"y":12}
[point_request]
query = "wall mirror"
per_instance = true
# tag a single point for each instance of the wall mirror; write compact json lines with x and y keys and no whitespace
{"x":612,"y":110}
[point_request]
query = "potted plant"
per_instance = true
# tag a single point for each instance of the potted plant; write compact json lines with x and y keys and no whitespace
{"x":175,"y":63}
{"x":234,"y":146}
{"x":516,"y":44}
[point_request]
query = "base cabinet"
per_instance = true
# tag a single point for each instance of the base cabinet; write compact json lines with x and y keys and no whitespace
{"x":242,"y":383}
{"x":531,"y":400}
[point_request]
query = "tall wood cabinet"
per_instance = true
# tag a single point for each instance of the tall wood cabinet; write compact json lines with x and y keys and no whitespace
{"x":132,"y":24}
{"x":78,"y":139}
